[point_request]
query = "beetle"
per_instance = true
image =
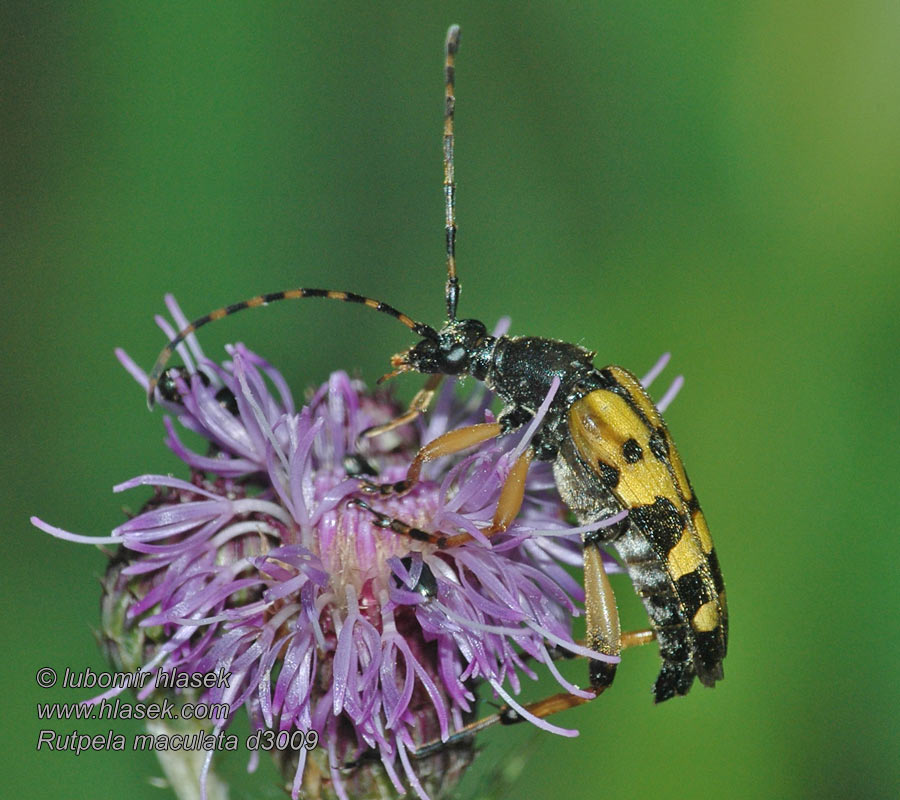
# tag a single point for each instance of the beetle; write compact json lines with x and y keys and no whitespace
{"x":610,"y":450}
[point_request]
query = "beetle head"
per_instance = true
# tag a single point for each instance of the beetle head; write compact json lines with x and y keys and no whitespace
{"x":453,"y":352}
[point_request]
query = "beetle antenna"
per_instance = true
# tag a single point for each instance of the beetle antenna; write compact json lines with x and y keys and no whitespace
{"x":419,"y":328}
{"x":450,"y":50}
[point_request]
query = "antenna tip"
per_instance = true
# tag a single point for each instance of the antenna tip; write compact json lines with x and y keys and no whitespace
{"x":453,"y":39}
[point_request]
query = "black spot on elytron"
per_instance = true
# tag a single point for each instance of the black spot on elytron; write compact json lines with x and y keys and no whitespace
{"x":659,"y":444}
{"x":607,"y":381}
{"x":716,"y":570}
{"x":609,"y":474}
{"x":426,"y":585}
{"x":632,"y":451}
{"x":693,"y":592}
{"x":660,"y":522}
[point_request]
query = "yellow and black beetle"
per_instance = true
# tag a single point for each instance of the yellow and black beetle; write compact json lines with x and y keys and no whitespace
{"x":610,"y":451}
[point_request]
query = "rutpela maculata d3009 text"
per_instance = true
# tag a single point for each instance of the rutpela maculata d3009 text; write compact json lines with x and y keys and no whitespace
{"x":610,"y":450}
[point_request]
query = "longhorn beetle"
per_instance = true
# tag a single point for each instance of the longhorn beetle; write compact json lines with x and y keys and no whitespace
{"x":610,"y":450}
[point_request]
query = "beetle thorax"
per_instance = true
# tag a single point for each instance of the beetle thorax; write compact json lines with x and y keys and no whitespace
{"x":523,"y":369}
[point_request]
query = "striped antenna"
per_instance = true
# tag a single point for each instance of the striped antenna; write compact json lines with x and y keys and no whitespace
{"x":450,"y":50}
{"x":420,"y":329}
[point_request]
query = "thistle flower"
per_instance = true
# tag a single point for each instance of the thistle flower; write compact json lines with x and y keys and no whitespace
{"x":259,"y":565}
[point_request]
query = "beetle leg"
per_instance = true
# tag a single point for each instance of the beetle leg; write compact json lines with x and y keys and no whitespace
{"x":637,"y":638}
{"x":445,"y":445}
{"x":399,"y":526}
{"x":505,"y":716}
{"x":561,"y":701}
{"x":602,"y":631}
{"x":418,"y":405}
{"x":511,"y":496}
{"x":629,"y":639}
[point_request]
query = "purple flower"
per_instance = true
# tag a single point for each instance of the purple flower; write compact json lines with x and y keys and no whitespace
{"x":259,"y":566}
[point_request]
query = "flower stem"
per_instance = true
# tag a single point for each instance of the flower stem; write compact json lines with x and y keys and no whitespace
{"x":183,"y":768}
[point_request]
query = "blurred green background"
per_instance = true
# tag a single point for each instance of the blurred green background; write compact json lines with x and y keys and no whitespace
{"x":719,"y":180}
